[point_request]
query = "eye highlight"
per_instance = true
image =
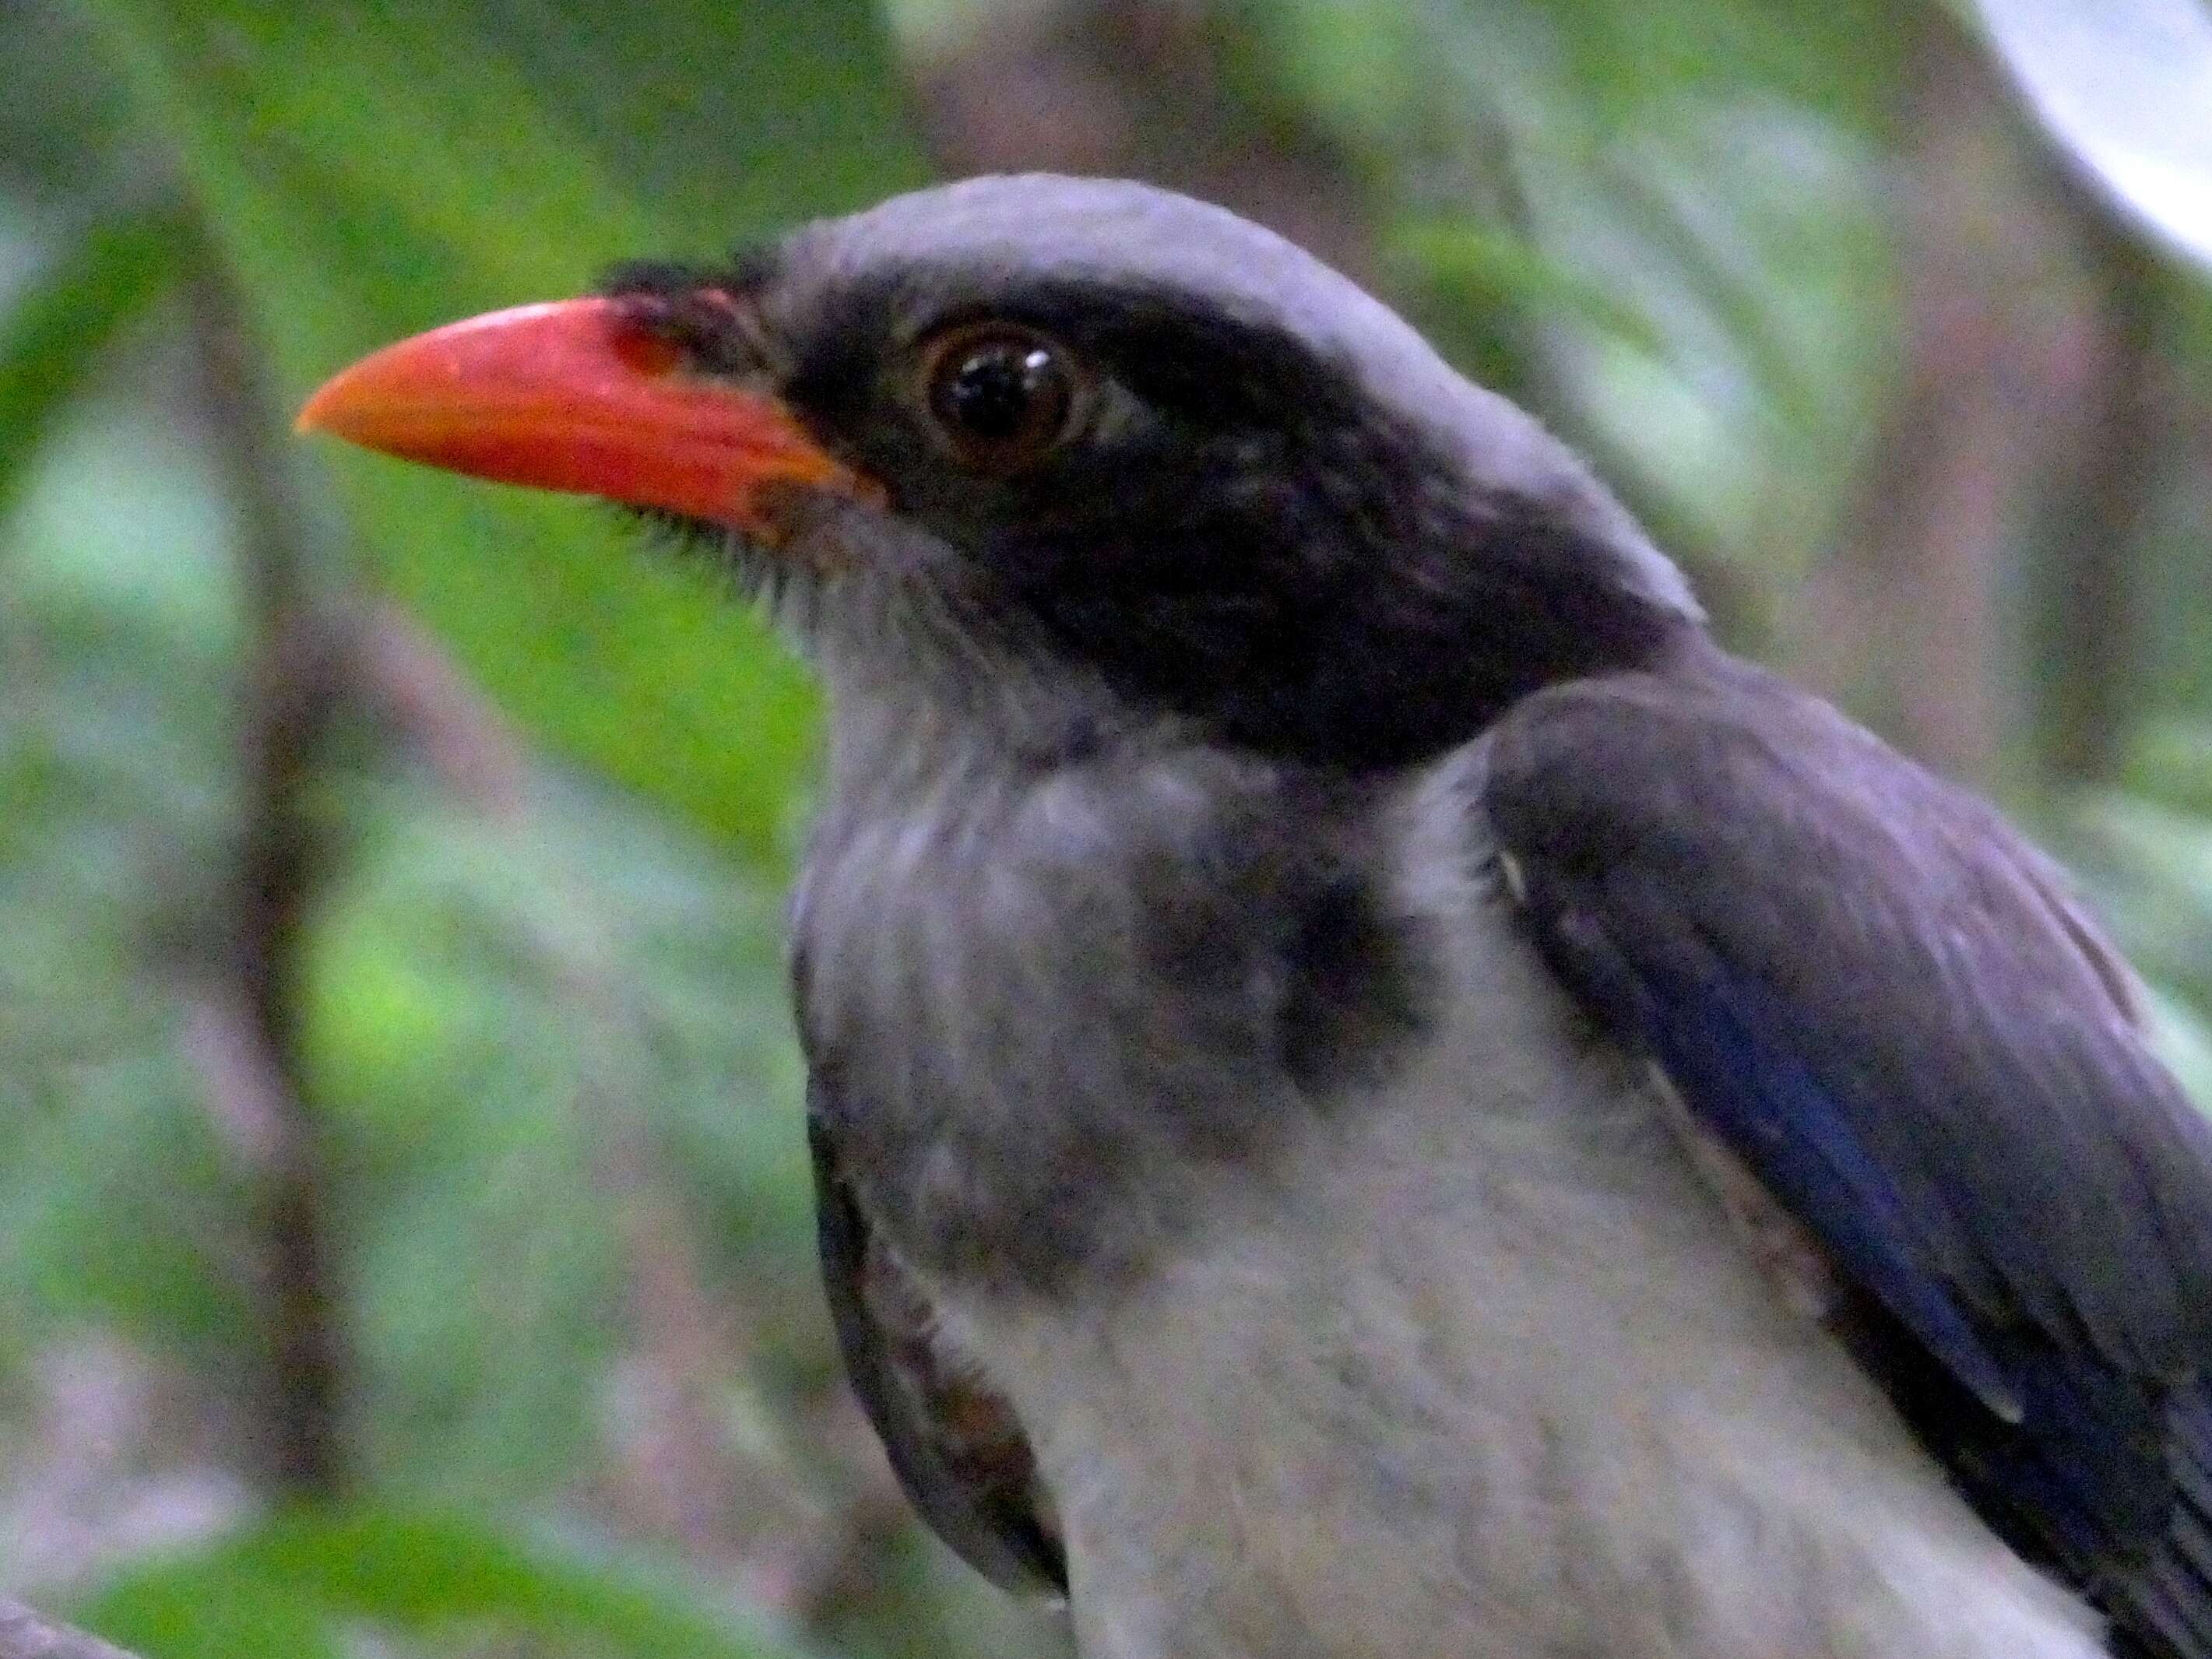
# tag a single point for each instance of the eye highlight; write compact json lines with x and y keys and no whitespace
{"x":1000,"y":395}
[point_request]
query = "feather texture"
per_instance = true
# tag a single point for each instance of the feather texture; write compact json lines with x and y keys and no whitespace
{"x":1885,"y":1004}
{"x":952,"y":1440}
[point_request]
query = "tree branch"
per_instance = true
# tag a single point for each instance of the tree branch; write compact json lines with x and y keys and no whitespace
{"x":1902,"y":620}
{"x":2091,"y":605}
{"x":247,"y":1037}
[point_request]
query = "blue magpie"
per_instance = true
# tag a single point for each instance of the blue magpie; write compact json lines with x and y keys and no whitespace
{"x":1374,"y":1092}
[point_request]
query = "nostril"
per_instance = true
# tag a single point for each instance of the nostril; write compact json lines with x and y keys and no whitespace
{"x":714,"y":328}
{"x":648,"y":352}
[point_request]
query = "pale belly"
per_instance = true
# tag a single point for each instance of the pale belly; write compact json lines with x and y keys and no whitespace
{"x":1471,"y":1362}
{"x":1499,"y":1383}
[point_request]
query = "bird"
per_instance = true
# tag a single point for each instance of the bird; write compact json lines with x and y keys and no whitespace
{"x":1373,"y":1091}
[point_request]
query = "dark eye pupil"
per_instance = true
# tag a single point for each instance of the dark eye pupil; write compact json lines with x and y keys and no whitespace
{"x":994,"y":391}
{"x":1000,"y":395}
{"x":1003,"y":392}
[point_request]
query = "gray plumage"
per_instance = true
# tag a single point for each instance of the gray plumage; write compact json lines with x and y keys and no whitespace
{"x":1374,"y":1094}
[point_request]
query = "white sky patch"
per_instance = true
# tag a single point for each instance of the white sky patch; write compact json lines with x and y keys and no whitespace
{"x":2126,"y":86}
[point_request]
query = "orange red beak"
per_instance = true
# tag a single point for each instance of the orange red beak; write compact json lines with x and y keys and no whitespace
{"x":574,"y":396}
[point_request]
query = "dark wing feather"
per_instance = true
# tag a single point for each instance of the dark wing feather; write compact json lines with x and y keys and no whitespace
{"x":957,"y":1447}
{"x":1884,"y":1004}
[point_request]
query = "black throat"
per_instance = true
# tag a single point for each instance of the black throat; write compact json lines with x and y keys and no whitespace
{"x":1377,"y":668}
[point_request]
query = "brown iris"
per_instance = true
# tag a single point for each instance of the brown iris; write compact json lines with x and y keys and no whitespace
{"x":1002,"y":396}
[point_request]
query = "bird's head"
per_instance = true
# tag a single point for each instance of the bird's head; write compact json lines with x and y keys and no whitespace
{"x":1090,"y":438}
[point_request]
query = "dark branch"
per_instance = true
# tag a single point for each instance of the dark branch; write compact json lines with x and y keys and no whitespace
{"x":1902,"y":620}
{"x":250,"y":1025}
{"x":2091,"y":602}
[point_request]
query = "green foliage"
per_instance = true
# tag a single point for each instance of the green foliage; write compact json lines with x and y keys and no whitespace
{"x":1671,"y":215}
{"x":515,"y":1032}
{"x":298,"y":1584}
{"x":490,"y":1016}
{"x":372,"y":172}
{"x":117,"y":269}
{"x":118,"y":641}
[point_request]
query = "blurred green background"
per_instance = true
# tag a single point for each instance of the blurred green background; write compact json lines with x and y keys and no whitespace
{"x":404,"y":1245}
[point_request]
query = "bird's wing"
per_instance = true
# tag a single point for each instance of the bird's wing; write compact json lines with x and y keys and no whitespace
{"x":957,"y":1446}
{"x":1890,"y":1012}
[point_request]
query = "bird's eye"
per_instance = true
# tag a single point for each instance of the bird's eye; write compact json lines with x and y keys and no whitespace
{"x":1001,"y":396}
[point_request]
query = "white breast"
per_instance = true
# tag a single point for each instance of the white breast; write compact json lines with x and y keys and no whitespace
{"x":1486,"y":1371}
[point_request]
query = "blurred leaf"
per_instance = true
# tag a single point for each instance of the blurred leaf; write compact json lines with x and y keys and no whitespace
{"x":118,"y":647}
{"x":287,"y":1588}
{"x":1486,"y":266}
{"x":1837,"y":59}
{"x":2152,"y":868}
{"x":372,"y":172}
{"x":2170,"y":761}
{"x":1683,"y":203}
{"x":66,"y":129}
{"x":2184,"y":1034}
{"x":54,"y":333}
{"x":487,"y":1005}
{"x":2125,"y":88}
{"x":147,"y":1242}
{"x":211,"y":1613}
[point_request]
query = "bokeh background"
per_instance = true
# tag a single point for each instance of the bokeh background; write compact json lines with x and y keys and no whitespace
{"x":404,"y":1241}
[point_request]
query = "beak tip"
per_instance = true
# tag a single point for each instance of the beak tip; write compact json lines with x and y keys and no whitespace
{"x":561,"y":396}
{"x":323,"y":411}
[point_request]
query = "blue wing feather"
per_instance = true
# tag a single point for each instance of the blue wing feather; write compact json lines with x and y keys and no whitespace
{"x":1728,"y":1048}
{"x":1886,"y":1005}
